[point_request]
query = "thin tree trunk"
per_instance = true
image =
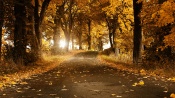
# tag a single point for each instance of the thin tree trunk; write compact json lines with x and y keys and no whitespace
{"x":80,"y":34}
{"x":1,"y":23}
{"x":89,"y":34}
{"x":80,"y":41}
{"x":137,"y":31}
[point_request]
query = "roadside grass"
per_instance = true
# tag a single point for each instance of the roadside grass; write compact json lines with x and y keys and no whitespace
{"x":126,"y":65}
{"x":11,"y":74}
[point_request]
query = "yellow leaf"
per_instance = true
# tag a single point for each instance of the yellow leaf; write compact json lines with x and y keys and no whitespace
{"x":141,"y":82}
{"x":1,"y":85}
{"x":135,"y":84}
{"x":23,"y":83}
{"x":172,"y":95}
{"x":113,"y":94}
{"x":143,"y":72}
{"x":13,"y":82}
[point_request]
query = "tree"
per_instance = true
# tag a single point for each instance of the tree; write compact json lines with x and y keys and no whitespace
{"x":78,"y":27}
{"x":119,"y":17}
{"x":57,"y":29}
{"x":99,"y":34}
{"x":38,"y":18}
{"x":1,"y":23}
{"x":158,"y":26}
{"x":137,"y":31}
{"x":20,"y":32}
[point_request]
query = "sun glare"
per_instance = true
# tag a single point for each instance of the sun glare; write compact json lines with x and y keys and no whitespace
{"x":105,"y":46}
{"x":62,"y":43}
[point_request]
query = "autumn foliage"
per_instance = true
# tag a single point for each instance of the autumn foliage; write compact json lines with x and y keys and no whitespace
{"x":40,"y":25}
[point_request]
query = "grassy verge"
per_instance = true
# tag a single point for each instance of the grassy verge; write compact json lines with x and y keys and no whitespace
{"x":138,"y":69}
{"x":11,"y":74}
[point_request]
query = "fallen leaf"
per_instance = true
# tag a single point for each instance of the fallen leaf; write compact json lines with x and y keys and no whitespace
{"x":13,"y":82}
{"x":135,"y":84}
{"x":50,"y":83}
{"x":141,"y":82}
{"x":64,"y":89}
{"x":1,"y":85}
{"x":172,"y":79}
{"x":22,"y":83}
{"x":18,"y":91}
{"x":113,"y":94}
{"x":143,"y":72}
{"x":172,"y":95}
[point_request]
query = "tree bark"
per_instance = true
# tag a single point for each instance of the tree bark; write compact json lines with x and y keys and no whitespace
{"x":38,"y":20}
{"x":89,"y":34}
{"x":1,"y":23}
{"x":112,"y":25}
{"x":19,"y":52}
{"x":137,"y":31}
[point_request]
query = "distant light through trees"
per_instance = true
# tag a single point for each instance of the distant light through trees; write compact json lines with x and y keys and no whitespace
{"x":62,"y":43}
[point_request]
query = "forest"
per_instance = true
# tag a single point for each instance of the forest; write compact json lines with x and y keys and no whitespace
{"x":134,"y":30}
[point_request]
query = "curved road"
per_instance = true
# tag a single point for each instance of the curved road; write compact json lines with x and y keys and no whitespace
{"x":84,"y":76}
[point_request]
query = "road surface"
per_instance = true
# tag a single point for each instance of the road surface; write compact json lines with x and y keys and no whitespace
{"x":84,"y":76}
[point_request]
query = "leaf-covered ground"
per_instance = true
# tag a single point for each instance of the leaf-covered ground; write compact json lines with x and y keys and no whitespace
{"x":85,"y":76}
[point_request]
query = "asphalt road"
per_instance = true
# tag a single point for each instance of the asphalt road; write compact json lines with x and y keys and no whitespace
{"x":84,"y":76}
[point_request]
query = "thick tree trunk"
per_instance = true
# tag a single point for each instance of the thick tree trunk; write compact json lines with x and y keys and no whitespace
{"x":57,"y":30}
{"x":56,"y":36}
{"x":37,"y":30}
{"x":20,"y":33}
{"x":137,"y":31}
{"x":1,"y":23}
{"x":33,"y":41}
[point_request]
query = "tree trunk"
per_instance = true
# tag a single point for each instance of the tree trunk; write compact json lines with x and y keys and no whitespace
{"x":73,"y":42}
{"x":1,"y":23}
{"x":89,"y":34}
{"x":100,"y":44}
{"x":80,"y":34}
{"x":56,"y":36}
{"x":112,"y":29}
{"x":137,"y":31}
{"x":19,"y":33}
{"x":33,"y":41}
{"x":38,"y":20}
{"x":67,"y":42}
{"x":80,"y":41}
{"x":57,"y":30}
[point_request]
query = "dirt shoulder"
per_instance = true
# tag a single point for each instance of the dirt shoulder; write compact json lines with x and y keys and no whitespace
{"x":159,"y":73}
{"x":12,"y":74}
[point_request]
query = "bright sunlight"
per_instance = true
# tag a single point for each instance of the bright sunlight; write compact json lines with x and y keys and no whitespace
{"x":62,"y":43}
